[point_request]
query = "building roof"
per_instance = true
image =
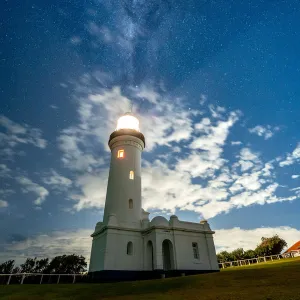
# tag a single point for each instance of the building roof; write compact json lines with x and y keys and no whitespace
{"x":295,"y":247}
{"x":159,"y":221}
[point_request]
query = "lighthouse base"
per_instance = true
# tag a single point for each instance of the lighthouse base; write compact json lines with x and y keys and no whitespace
{"x":115,"y":276}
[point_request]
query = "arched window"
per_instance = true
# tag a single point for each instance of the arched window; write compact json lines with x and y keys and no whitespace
{"x":129,"y":248}
{"x":121,"y":153}
{"x":131,"y":175}
{"x":130,"y":203}
{"x":195,"y":250}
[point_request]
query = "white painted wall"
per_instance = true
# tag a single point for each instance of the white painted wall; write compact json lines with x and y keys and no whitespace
{"x":98,"y":252}
{"x":183,"y":250}
{"x":109,"y":251}
{"x":120,"y":188}
{"x":116,"y":257}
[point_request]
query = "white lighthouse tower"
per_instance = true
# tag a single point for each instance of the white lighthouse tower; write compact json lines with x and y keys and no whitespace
{"x":126,"y":245}
{"x":123,"y":199}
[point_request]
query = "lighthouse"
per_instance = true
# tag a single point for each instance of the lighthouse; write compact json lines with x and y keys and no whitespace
{"x":126,"y":244}
{"x":124,"y":193}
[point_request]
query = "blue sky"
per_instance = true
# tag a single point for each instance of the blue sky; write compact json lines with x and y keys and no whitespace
{"x":215,"y":85}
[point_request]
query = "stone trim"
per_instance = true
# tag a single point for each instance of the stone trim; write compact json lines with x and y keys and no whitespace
{"x":148,"y":230}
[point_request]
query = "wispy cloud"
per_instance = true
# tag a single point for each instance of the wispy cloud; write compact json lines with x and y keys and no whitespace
{"x":236,"y":143}
{"x":15,"y":134}
{"x":264,"y":131}
{"x":57,"y":181}
{"x":4,"y":171}
{"x":166,"y":122}
{"x":49,"y":245}
{"x":291,"y":158}
{"x":3,"y":203}
{"x":29,"y":186}
{"x":75,"y":40}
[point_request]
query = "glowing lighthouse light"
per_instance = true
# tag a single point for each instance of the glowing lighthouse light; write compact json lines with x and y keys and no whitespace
{"x":128,"y":121}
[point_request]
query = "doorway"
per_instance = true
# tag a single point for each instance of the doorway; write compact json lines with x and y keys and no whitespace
{"x":149,"y":256}
{"x":168,"y":258}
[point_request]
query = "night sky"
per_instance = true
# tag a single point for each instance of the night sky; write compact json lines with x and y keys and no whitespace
{"x":215,"y":85}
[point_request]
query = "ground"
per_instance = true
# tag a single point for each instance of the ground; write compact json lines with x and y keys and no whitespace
{"x":271,"y":280}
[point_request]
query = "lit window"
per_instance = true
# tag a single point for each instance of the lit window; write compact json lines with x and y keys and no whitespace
{"x":130,"y":203}
{"x":120,"y":153}
{"x":129,"y":248}
{"x":195,"y":250}
{"x":131,"y":175}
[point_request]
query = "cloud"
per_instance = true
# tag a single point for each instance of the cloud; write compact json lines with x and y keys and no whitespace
{"x":203,"y":99}
{"x":57,"y":181}
{"x":92,"y":191}
{"x":168,"y":123}
{"x":79,"y":242}
{"x":16,"y":134}
{"x":4,"y":171}
{"x":295,"y":176}
{"x":49,"y":245}
{"x":236,"y":143}
{"x":248,"y":160}
{"x":291,"y":158}
{"x":266,"y":132}
{"x":3,"y":203}
{"x":208,"y":147}
{"x":77,"y":150}
{"x":231,"y":239}
{"x":213,"y":137}
{"x":193,"y":151}
{"x":75,"y":40}
{"x":29,"y":186}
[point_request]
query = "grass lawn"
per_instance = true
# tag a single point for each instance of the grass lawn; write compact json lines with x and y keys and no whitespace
{"x":271,"y":280}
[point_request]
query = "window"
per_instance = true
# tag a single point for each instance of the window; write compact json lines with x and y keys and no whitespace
{"x":131,"y":175}
{"x":121,"y":153}
{"x":130,"y":203}
{"x":129,"y":248}
{"x":195,"y":250}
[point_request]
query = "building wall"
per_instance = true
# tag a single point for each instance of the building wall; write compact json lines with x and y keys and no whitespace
{"x":98,"y":252}
{"x":116,"y":257}
{"x":120,"y":187}
{"x":109,"y":250}
{"x":183,"y":256}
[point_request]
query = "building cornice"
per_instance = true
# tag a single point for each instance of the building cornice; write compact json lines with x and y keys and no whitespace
{"x":126,"y":132}
{"x":148,"y":230}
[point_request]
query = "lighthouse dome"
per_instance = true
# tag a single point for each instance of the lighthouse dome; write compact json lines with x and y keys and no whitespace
{"x":128,"y":121}
{"x":159,"y":221}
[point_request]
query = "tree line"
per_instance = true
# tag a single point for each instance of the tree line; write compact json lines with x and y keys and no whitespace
{"x":75,"y":264}
{"x":268,"y":246}
{"x":64,"y":264}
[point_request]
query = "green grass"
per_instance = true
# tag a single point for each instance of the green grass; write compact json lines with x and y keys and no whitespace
{"x":271,"y":280}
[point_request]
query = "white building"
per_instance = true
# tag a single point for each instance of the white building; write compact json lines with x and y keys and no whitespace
{"x":127,"y":245}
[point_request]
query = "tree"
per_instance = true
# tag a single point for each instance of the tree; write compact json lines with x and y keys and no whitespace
{"x":238,"y":254}
{"x":41,"y":265}
{"x":249,"y":254}
{"x":224,"y":256}
{"x":7,"y":267}
{"x":28,"y":265}
{"x":270,"y":246}
{"x":16,"y":270}
{"x":67,"y":264}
